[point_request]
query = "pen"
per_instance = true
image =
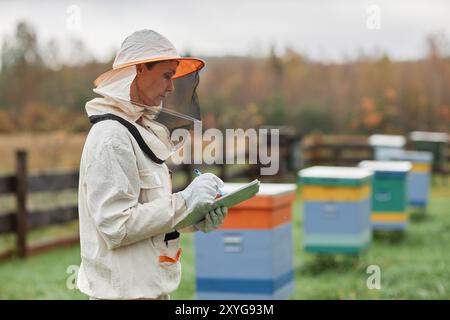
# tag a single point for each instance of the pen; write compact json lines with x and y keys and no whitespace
{"x":198,"y":172}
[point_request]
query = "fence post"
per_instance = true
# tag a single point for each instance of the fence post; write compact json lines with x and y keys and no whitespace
{"x":21,"y":199}
{"x":222,"y":167}
{"x":337,"y":155}
{"x":316,"y":158}
{"x":189,"y":172}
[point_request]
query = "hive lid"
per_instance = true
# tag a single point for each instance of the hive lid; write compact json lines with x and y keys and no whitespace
{"x":265,"y":189}
{"x":387,"y":140}
{"x":334,"y":175}
{"x":429,"y":136}
{"x":386,"y":166}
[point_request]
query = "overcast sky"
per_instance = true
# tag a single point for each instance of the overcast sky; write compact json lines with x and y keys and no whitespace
{"x":321,"y":29}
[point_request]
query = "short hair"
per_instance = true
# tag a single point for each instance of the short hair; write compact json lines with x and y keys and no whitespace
{"x":150,"y":65}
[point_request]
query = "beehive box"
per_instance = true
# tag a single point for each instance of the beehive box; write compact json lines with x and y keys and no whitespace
{"x":389,"y":194}
{"x":251,"y":255}
{"x":386,"y":145}
{"x":419,"y":177}
{"x":336,"y":209}
{"x":434,"y":142}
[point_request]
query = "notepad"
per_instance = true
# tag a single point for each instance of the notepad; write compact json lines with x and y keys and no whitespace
{"x":229,"y":200}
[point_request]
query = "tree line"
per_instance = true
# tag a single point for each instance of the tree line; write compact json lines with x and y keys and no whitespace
{"x":370,"y":94}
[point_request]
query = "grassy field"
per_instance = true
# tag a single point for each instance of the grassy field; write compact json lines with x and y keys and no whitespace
{"x":412,"y":267}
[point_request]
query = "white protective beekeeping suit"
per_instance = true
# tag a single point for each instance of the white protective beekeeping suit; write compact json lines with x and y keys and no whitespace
{"x":126,"y":206}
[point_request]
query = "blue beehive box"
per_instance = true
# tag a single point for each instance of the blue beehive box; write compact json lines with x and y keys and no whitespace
{"x":420,"y":176}
{"x":386,"y":145}
{"x":336,"y":209}
{"x":251,"y":255}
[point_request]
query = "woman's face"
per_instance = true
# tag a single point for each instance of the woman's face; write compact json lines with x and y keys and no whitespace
{"x":151,"y":86}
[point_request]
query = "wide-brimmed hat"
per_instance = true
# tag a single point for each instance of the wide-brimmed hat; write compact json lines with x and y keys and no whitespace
{"x":149,"y":46}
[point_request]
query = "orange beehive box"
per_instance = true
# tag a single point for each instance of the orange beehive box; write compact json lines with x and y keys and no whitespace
{"x":271,"y":207}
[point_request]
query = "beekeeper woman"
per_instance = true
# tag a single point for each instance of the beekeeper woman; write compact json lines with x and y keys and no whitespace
{"x":127,"y":211}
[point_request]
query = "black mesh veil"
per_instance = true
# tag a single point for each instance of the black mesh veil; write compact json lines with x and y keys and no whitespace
{"x":181,"y":108}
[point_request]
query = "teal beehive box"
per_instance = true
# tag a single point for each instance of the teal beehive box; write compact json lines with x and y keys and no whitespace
{"x":389,"y":193}
{"x":419,"y":177}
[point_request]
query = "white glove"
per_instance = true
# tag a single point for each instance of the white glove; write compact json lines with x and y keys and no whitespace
{"x":213,"y":220}
{"x":203,"y":189}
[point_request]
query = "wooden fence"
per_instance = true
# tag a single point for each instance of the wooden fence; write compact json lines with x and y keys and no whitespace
{"x":22,"y":220}
{"x":293,"y":156}
{"x":346,"y":151}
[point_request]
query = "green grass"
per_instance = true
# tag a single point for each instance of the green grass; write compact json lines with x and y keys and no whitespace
{"x":413,"y":266}
{"x":39,"y":277}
